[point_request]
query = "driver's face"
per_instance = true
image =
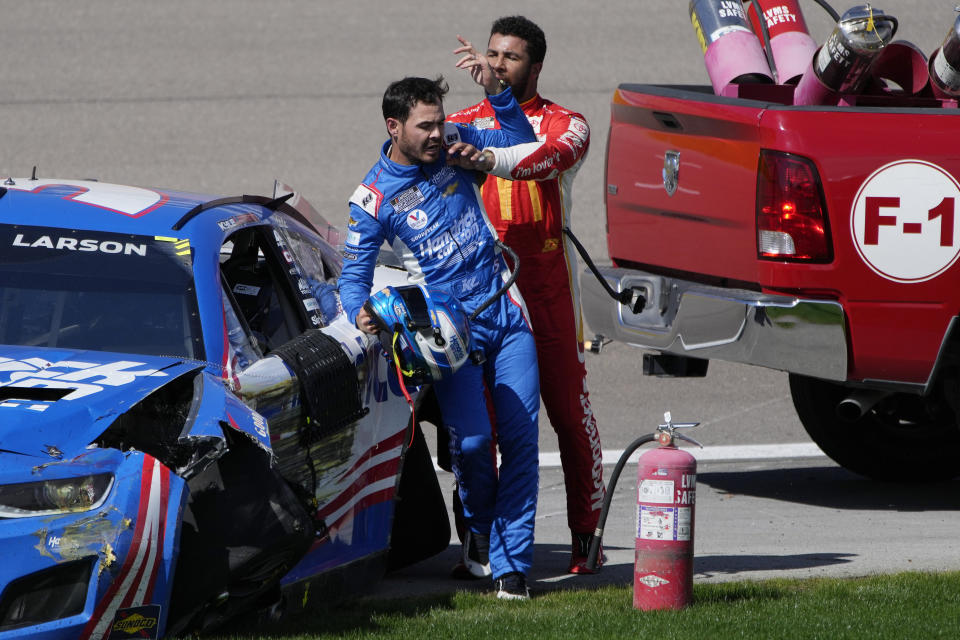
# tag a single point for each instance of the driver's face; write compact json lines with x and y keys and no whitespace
{"x":510,"y":61}
{"x":419,"y":139}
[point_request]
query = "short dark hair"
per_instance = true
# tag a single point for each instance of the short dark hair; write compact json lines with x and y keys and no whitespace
{"x":401,"y":95}
{"x":525,"y":29}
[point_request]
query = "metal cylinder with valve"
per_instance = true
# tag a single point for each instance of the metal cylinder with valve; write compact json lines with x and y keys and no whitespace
{"x":666,"y":495}
{"x":945,"y":64}
{"x":666,"y":498}
{"x":840,"y":67}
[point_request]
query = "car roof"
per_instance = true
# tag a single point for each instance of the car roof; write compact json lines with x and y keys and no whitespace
{"x":93,"y":205}
{"x":90,"y":205}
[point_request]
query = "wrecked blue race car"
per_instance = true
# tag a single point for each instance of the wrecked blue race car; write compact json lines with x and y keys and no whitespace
{"x":190,"y":429}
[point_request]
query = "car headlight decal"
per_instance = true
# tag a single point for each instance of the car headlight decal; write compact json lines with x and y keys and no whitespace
{"x":49,"y":497}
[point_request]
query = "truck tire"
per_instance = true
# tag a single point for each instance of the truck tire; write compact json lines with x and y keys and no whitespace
{"x":904,"y":437}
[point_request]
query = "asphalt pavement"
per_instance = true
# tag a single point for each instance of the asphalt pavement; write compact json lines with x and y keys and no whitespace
{"x":755,"y":519}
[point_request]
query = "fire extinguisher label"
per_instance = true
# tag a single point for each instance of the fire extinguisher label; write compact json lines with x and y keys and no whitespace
{"x":664,"y":523}
{"x":683,"y":523}
{"x":652,"y":580}
{"x":656,"y":491}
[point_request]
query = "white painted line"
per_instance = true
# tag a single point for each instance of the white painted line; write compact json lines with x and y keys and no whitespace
{"x":712,"y":453}
{"x":720,"y":453}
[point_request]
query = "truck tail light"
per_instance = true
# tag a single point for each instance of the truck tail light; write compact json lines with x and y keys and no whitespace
{"x":791,"y":216}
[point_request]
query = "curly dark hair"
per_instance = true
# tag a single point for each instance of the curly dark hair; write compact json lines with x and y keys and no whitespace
{"x":401,"y":95}
{"x":525,"y":29}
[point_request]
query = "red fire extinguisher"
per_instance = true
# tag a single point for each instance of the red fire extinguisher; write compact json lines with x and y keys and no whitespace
{"x":790,"y":40}
{"x":666,"y":496}
{"x":731,"y":51}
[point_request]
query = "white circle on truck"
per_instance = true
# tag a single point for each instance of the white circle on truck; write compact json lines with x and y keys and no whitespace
{"x":903,"y":221}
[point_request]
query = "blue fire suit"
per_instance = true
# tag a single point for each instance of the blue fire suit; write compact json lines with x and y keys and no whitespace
{"x":433,"y":217}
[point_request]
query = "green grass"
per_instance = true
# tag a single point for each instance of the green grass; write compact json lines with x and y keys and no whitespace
{"x":907,"y":605}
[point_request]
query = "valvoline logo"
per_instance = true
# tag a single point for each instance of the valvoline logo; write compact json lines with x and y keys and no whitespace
{"x":417,"y":219}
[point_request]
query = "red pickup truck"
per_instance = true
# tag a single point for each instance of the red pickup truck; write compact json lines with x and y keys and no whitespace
{"x":821,"y":241}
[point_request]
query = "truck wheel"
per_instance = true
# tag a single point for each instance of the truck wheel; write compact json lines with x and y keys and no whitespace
{"x":903,"y":437}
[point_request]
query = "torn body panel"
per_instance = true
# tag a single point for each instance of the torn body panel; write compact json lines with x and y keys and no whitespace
{"x":97,"y":388}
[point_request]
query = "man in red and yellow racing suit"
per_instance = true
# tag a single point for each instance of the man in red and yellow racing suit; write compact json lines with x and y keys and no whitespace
{"x":529,"y":214}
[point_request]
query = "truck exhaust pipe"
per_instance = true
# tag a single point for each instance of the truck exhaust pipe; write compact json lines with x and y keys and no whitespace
{"x":858,"y":403}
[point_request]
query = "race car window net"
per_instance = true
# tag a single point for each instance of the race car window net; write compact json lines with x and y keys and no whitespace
{"x":260,"y":290}
{"x":95,"y":290}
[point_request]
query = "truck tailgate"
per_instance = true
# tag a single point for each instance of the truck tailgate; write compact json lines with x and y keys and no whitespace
{"x":681,"y":201}
{"x":708,"y":221}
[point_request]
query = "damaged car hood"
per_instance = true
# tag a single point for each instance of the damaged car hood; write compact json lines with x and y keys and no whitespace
{"x":55,"y":402}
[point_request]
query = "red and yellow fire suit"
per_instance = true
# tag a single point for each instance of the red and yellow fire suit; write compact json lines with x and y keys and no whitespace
{"x":529,"y":214}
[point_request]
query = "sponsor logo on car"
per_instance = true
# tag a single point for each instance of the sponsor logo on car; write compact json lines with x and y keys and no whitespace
{"x":80,"y":244}
{"x":81,"y":378}
{"x":237,"y":220}
{"x":136,"y":622}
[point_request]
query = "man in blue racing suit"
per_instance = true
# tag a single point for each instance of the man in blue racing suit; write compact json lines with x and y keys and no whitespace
{"x":423,"y":197}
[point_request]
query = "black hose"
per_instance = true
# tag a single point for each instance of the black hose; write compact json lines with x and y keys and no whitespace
{"x":767,"y":49}
{"x":829,"y":9}
{"x":765,"y":32}
{"x":608,"y":498}
{"x":509,"y":283}
{"x":623,"y":297}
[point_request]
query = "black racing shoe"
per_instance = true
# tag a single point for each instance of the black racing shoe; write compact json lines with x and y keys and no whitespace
{"x":512,"y":586}
{"x":580,"y":550}
{"x":476,"y":556}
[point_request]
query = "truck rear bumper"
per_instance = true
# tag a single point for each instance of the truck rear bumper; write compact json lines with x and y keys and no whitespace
{"x":690,"y":319}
